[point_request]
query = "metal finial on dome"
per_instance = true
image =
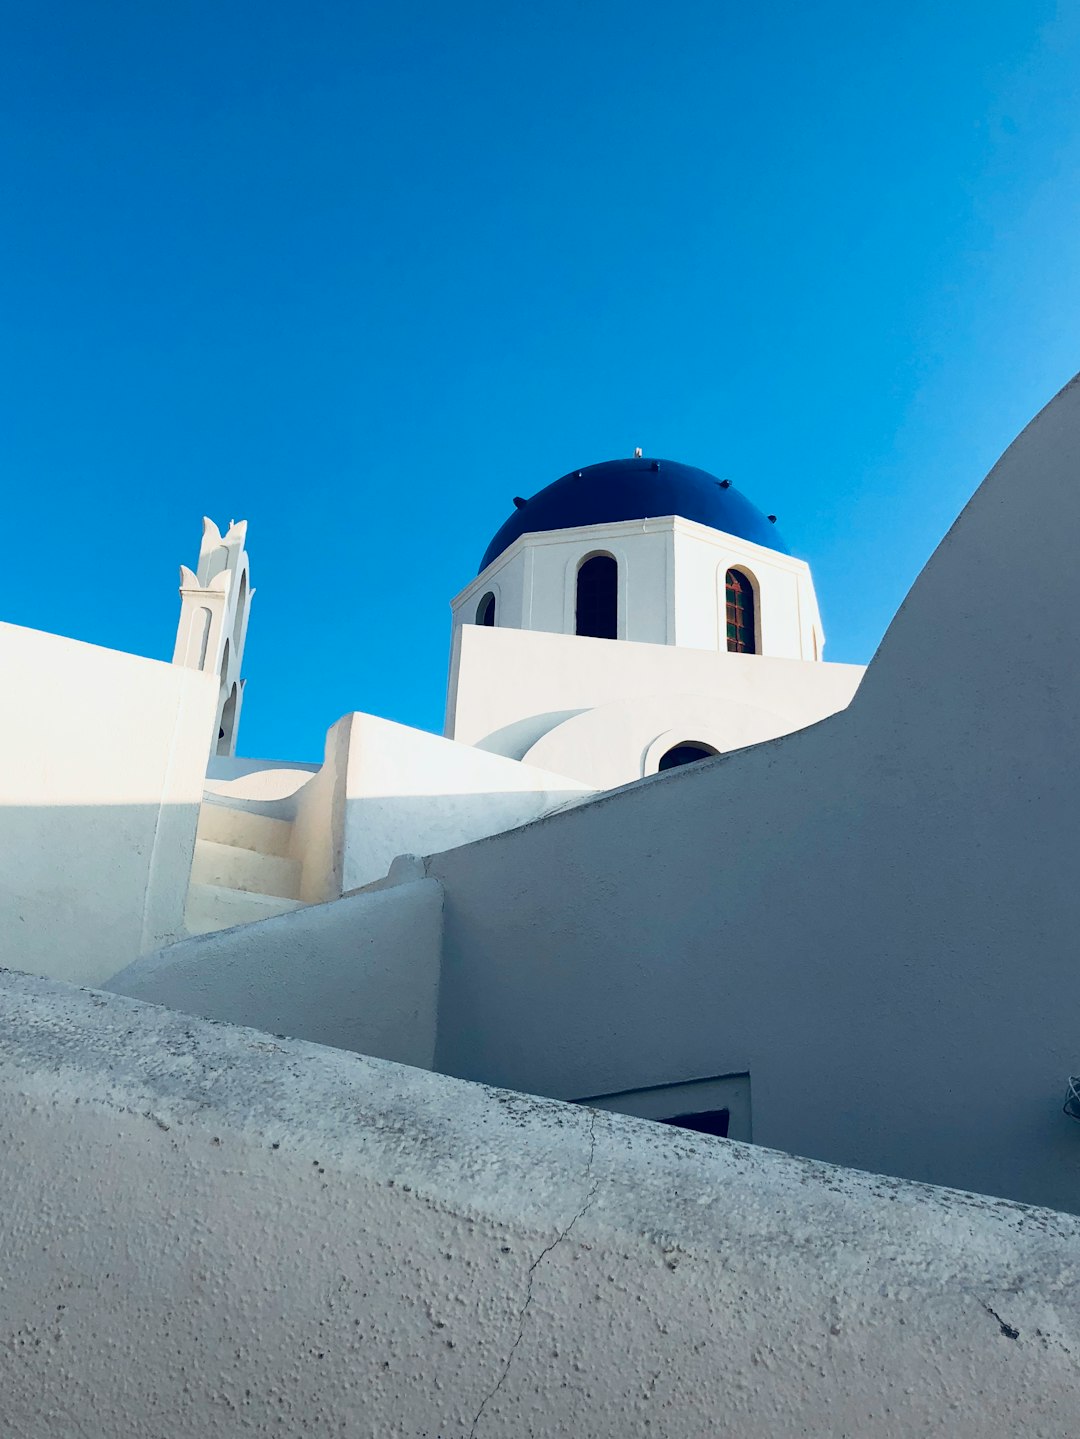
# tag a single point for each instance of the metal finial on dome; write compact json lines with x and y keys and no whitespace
{"x":637,"y":453}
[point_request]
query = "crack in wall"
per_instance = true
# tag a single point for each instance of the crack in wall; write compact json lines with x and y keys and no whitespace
{"x":591,"y":1188}
{"x":1007,"y":1329}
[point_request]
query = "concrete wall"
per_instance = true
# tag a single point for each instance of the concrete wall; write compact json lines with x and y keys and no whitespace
{"x":102,"y":759}
{"x":876,"y":918}
{"x":210,"y":1232}
{"x":360,"y":973}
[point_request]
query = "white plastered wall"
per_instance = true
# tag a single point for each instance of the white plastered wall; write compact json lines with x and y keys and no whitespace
{"x":386,"y":789}
{"x":102,"y":759}
{"x":406,"y":789}
{"x":211,"y":1231}
{"x":511,"y":688}
{"x":876,"y":918}
{"x":360,"y":973}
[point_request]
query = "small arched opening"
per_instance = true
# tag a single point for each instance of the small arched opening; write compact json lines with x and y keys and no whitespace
{"x":227,"y":727}
{"x":689,"y":752}
{"x":741,"y":613}
{"x":241,"y":614}
{"x":597,"y":609}
{"x":485,"y":610}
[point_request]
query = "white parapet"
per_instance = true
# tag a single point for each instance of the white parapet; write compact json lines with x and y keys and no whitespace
{"x":210,"y":1230}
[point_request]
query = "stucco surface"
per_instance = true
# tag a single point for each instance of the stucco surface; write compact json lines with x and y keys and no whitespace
{"x":361,"y":973}
{"x":102,"y":758}
{"x":406,"y":791}
{"x":211,"y":1232}
{"x":511,"y":691}
{"x":876,"y":917}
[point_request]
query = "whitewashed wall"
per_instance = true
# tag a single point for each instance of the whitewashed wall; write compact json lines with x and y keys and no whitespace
{"x":876,"y":918}
{"x":211,"y":1232}
{"x":512,"y":689}
{"x":360,"y":973}
{"x":102,"y":759}
{"x":407,"y":791}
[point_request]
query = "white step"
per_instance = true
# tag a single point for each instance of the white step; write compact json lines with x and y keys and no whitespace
{"x":228,"y":867}
{"x":210,"y":907}
{"x":223,"y":825}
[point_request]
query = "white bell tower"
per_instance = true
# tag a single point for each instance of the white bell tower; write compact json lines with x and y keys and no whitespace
{"x":215,"y":603}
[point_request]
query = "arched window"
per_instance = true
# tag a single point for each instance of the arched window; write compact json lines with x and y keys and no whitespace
{"x":485,"y":610}
{"x":688,"y":753}
{"x":241,"y":607}
{"x":597,"y":611}
{"x":741,"y":619}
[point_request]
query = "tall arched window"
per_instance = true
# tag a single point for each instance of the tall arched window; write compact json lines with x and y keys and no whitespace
{"x":741,"y":619}
{"x":485,"y":610}
{"x":598,"y":598}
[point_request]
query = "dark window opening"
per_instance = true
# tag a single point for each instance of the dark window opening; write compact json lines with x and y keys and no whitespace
{"x":708,"y":1121}
{"x":598,"y":598}
{"x":741,"y":620}
{"x":685,"y":754}
{"x":485,"y":610}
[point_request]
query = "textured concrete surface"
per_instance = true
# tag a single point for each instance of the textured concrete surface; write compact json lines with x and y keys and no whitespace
{"x":359,"y":973}
{"x":209,"y":1232}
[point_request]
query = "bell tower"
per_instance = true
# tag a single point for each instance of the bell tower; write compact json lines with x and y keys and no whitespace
{"x":215,"y":602}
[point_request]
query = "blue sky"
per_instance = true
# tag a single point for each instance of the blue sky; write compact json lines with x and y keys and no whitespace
{"x":360,"y":273}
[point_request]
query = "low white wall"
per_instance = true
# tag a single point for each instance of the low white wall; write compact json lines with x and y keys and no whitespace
{"x":360,"y":973}
{"x":510,"y":687}
{"x":410,"y":792}
{"x":318,"y":833}
{"x":876,"y":918}
{"x":210,"y":1232}
{"x":102,"y":760}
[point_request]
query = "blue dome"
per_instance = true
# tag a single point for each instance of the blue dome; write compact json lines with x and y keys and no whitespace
{"x":636,"y":489}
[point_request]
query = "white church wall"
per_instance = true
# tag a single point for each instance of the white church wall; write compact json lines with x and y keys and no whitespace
{"x":407,"y":791}
{"x":621,"y":741}
{"x":102,"y":758}
{"x":875,"y":918}
{"x":537,"y":579}
{"x":785,"y":604}
{"x":279,"y":1238}
{"x":360,"y":973}
{"x":671,"y":586}
{"x":509,"y":688}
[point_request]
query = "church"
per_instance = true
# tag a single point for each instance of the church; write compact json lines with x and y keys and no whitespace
{"x":666,"y":863}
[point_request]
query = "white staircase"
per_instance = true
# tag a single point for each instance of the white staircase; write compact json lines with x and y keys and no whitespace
{"x":243,"y":869}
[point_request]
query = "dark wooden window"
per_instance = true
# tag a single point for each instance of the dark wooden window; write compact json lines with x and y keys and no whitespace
{"x":598,"y":598}
{"x":688,"y":753}
{"x":741,"y":620}
{"x":485,"y":610}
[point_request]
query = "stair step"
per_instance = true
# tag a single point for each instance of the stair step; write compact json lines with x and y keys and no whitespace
{"x":228,"y":867}
{"x":211,"y":907}
{"x":222,"y":824}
